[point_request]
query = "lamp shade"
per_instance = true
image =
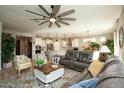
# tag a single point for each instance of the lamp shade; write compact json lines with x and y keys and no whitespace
{"x":104,"y":49}
{"x":95,"y":55}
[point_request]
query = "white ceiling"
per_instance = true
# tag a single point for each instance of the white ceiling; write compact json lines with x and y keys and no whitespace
{"x":97,"y":19}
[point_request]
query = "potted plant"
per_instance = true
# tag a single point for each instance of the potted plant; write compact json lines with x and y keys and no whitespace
{"x":8,"y":46}
{"x":94,"y":45}
{"x":110,"y":44}
{"x":39,"y":62}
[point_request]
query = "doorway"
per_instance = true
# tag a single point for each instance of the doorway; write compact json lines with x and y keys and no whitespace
{"x":24,"y":46}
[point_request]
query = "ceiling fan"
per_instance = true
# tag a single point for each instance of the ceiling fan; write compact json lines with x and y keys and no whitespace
{"x":53,"y":17}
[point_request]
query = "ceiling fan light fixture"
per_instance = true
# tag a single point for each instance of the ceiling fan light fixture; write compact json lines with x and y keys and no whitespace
{"x":52,"y":20}
{"x":53,"y":17}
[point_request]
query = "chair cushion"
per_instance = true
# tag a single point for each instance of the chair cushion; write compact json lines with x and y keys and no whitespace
{"x":90,"y":83}
{"x":20,"y":59}
{"x":25,"y":64}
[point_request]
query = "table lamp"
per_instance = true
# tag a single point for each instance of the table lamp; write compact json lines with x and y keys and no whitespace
{"x":104,"y":50}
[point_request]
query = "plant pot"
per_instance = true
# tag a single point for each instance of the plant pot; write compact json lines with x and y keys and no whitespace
{"x":7,"y":65}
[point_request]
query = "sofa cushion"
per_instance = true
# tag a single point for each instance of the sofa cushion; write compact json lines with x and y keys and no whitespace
{"x":89,"y":56}
{"x":72,"y":55}
{"x":74,"y":59}
{"x":90,"y":83}
{"x":83,"y":57}
{"x":81,"y":65}
{"x":69,"y":54}
{"x":71,"y":64}
{"x":64,"y":62}
{"x":76,"y":55}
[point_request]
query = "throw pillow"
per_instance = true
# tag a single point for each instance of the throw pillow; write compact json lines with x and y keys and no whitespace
{"x":95,"y":67}
{"x":90,"y":83}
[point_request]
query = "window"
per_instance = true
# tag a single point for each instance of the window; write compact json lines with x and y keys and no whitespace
{"x":85,"y":40}
{"x":75,"y":43}
{"x":37,"y":41}
{"x":93,"y":39}
{"x":40,"y":42}
{"x":102,"y":39}
{"x":90,"y":39}
{"x":64,"y":43}
{"x":56,"y":45}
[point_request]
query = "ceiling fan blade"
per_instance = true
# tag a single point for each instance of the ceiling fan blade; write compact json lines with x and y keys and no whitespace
{"x":63,"y":22}
{"x":50,"y":24}
{"x":57,"y":24}
{"x":37,"y":19}
{"x":35,"y":13}
{"x":42,"y":8}
{"x":43,"y":22}
{"x":55,"y":10}
{"x":69,"y":19}
{"x":66,"y":13}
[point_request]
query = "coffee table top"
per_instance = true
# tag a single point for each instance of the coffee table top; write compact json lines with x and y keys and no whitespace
{"x":46,"y":68}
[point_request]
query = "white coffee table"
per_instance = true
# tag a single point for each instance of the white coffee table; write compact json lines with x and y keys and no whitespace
{"x":47,"y":74}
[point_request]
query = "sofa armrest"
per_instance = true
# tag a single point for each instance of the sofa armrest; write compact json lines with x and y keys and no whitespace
{"x":90,"y":61}
{"x":87,"y":62}
{"x":27,"y":59}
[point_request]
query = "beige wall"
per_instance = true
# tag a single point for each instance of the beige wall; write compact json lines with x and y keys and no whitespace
{"x":80,"y":40}
{"x":119,"y":51}
{"x":0,"y":42}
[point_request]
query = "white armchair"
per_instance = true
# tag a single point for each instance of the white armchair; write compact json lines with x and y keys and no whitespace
{"x":22,"y":62}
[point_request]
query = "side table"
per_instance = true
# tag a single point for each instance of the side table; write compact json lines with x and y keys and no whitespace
{"x":55,"y":59}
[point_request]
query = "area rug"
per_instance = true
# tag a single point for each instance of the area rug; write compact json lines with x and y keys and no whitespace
{"x":29,"y":80}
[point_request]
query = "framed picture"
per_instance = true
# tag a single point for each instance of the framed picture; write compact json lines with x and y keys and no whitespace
{"x":121,"y":37}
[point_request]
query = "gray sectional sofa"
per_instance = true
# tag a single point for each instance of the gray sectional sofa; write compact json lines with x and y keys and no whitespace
{"x":76,"y":60}
{"x":111,"y":76}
